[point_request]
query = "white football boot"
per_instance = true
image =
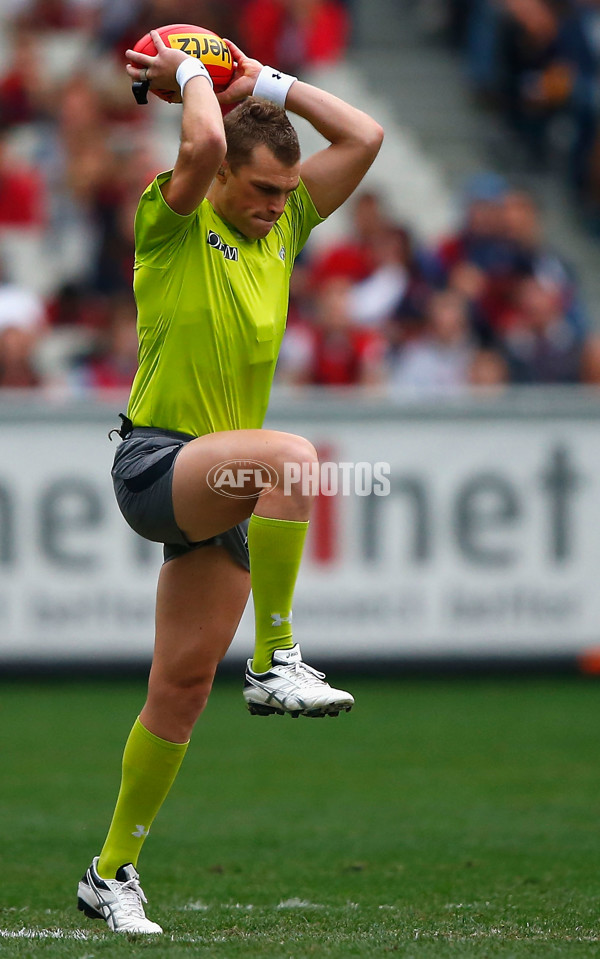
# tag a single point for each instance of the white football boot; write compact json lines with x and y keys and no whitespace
{"x":118,"y":901}
{"x":290,"y":686}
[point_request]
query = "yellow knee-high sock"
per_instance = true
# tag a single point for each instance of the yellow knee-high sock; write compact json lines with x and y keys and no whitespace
{"x":150,"y":766}
{"x":275,"y":547}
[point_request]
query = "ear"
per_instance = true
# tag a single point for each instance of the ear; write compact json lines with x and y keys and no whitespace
{"x":223,"y":172}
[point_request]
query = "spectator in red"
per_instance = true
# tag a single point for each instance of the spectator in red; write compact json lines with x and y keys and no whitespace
{"x":57,"y":14}
{"x":23,"y":90}
{"x":333,"y":351}
{"x":113,"y":363}
{"x":121,"y":25}
{"x":75,"y":306}
{"x":295,"y":34}
{"x":352,"y":257}
{"x":114,"y":206}
{"x":22,"y":191}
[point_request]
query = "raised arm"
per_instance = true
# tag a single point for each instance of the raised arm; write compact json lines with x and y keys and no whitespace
{"x":202,"y":147}
{"x":332,"y":174}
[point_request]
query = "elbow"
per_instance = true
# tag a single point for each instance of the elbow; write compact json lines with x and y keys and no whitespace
{"x":217,"y":144}
{"x":209,"y":145}
{"x":367,"y":140}
{"x":374,"y":139}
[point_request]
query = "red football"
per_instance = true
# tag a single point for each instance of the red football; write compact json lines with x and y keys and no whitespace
{"x":198,"y":42}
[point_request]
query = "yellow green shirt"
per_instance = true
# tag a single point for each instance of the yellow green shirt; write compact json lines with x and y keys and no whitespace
{"x":212,"y":308}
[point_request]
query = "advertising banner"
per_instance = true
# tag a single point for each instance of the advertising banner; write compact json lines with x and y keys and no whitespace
{"x":463,"y":531}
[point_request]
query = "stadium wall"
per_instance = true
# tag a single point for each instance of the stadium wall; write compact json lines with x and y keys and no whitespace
{"x":486,"y":546}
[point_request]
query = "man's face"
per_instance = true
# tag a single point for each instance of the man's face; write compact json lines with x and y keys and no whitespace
{"x":252,"y":199}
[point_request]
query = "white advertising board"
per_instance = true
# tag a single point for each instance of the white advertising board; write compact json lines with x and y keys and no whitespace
{"x":487,"y":544}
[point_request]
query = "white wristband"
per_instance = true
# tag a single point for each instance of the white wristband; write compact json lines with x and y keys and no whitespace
{"x":188,"y":68}
{"x":273,"y":85}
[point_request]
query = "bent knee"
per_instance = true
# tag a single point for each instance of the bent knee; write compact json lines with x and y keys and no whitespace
{"x":295,"y":450}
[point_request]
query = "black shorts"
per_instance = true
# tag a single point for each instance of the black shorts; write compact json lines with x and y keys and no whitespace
{"x":143,"y":480}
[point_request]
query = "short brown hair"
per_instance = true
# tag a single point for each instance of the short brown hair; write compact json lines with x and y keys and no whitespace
{"x":256,"y":121}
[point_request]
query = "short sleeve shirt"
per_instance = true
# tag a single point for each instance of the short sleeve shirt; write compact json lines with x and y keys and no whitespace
{"x":212,"y":308}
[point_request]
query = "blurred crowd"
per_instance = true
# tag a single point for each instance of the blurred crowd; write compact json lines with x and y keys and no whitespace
{"x":537,"y":62}
{"x":490,"y":305}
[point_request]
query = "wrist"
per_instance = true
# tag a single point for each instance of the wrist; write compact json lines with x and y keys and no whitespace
{"x":188,"y":68}
{"x":273,"y":85}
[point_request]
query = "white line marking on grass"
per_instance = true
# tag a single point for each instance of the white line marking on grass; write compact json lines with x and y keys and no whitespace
{"x":299,"y":904}
{"x":197,"y":905}
{"x":80,"y":935}
{"x":498,"y":935}
{"x":24,"y":933}
{"x":466,"y":905}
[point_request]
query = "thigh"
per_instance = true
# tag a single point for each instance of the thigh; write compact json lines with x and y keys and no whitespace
{"x":200,"y":511}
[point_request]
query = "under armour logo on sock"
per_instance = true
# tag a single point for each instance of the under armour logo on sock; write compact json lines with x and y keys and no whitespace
{"x":276,"y":76}
{"x":279,"y":620}
{"x":140,"y":832}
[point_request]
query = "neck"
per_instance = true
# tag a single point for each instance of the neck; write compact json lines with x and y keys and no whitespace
{"x":212,"y":197}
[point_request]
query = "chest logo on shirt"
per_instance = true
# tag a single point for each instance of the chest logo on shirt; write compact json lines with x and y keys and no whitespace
{"x":282,"y":254}
{"x":229,"y":252}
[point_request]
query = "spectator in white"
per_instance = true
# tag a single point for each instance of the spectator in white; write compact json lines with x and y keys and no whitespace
{"x":22,"y":319}
{"x":374,"y":299}
{"x":440,"y":360}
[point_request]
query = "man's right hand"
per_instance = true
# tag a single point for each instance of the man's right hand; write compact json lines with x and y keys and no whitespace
{"x":159,"y":70}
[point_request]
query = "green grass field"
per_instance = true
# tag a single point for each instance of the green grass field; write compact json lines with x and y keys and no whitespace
{"x":439,"y":818}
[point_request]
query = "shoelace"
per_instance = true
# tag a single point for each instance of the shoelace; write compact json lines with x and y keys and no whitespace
{"x":132,"y":895}
{"x":299,"y":672}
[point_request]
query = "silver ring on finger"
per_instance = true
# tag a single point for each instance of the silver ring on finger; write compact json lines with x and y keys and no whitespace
{"x":145,"y":74}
